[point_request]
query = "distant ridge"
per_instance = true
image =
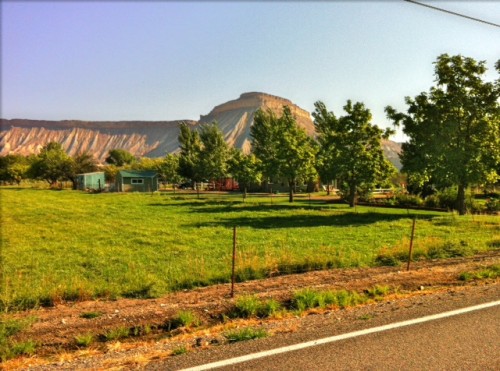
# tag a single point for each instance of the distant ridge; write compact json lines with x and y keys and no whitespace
{"x":151,"y":138}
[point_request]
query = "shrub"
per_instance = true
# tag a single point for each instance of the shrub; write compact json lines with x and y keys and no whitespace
{"x":492,"y":205}
{"x":432,"y":201}
{"x":407,"y":200}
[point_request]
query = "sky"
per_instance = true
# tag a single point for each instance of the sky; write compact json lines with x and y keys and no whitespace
{"x":168,"y":60}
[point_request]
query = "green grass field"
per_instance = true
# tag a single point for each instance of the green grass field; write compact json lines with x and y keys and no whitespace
{"x":69,"y":245}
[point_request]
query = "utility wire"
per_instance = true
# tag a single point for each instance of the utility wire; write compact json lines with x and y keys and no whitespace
{"x":453,"y":13}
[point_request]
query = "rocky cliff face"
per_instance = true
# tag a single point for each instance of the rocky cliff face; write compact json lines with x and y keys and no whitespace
{"x":150,"y":138}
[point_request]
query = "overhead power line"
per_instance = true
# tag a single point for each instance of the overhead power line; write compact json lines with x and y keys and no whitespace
{"x":453,"y":13}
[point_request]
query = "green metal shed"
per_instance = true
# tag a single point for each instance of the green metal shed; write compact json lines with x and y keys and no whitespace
{"x":136,"y":181}
{"x":90,"y":181}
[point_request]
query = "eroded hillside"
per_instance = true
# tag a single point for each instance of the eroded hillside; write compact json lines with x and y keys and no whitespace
{"x":150,"y":138}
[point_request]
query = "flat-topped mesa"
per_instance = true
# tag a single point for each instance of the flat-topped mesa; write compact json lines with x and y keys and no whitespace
{"x":254,"y":100}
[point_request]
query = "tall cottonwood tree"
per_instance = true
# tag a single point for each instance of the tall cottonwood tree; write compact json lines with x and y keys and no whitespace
{"x":214,"y":152}
{"x":350,"y":149}
{"x":283,"y":147}
{"x":454,"y":129}
{"x":190,"y":144}
{"x":245,"y":168}
{"x":204,"y":152}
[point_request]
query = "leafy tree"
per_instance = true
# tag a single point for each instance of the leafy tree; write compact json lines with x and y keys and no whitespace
{"x":454,"y":129}
{"x":283,"y":147}
{"x":52,"y":164}
{"x":168,"y":169}
{"x":190,"y":143}
{"x":120,"y":157}
{"x":82,"y":163}
{"x":214,"y":152}
{"x":245,"y":169}
{"x":13,"y":168}
{"x":350,"y":149}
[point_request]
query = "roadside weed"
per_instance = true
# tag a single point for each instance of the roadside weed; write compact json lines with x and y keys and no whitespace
{"x":247,"y":333}
{"x":90,"y":315}
{"x":183,"y":319}
{"x":180,"y":350}
{"x":491,"y":272}
{"x":117,"y":334}
{"x":84,"y":340}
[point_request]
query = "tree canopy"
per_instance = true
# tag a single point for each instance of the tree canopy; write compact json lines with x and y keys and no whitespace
{"x":120,"y":157}
{"x":283,"y":147}
{"x":350,"y":149}
{"x":214,"y":152}
{"x":245,"y":168}
{"x":52,"y":164}
{"x":190,"y":144}
{"x":454,"y":129}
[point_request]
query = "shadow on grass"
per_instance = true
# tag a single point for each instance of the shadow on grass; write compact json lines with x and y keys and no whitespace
{"x":298,"y":221}
{"x":227,"y":206}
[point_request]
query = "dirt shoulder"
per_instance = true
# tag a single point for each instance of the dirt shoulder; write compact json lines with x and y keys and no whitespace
{"x":55,"y":328}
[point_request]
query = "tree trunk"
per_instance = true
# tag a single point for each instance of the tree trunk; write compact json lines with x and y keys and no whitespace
{"x":352,"y":194}
{"x":461,"y":206}
{"x":291,"y":186}
{"x":328,"y":189}
{"x":244,"y":193}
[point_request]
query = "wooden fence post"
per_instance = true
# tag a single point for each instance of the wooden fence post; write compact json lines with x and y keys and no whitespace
{"x":411,"y":242}
{"x":233,"y":278}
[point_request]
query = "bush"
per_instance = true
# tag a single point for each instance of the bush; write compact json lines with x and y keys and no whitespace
{"x":493,"y":205}
{"x":432,"y":201}
{"x":407,"y":200}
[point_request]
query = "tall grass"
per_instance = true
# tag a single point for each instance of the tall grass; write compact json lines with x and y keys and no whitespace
{"x":68,"y":245}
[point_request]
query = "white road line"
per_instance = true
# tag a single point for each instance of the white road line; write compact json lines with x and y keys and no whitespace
{"x":332,"y":339}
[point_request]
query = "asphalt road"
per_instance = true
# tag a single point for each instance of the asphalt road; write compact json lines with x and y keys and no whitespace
{"x":467,"y":341}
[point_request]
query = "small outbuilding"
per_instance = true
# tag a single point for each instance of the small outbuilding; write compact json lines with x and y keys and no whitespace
{"x":90,"y":181}
{"x":136,"y":181}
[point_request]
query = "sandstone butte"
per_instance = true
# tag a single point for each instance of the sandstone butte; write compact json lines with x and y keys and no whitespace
{"x":150,"y":138}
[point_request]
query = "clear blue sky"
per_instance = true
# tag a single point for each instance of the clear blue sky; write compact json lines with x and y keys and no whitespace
{"x":176,"y":60}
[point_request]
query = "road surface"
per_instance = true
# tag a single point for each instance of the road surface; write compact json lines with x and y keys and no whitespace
{"x":467,"y":341}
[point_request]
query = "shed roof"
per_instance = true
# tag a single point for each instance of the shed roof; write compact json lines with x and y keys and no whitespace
{"x":137,"y":174}
{"x":95,"y":172}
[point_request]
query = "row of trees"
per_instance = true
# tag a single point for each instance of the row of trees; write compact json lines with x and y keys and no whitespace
{"x":453,"y":131}
{"x":51,"y":164}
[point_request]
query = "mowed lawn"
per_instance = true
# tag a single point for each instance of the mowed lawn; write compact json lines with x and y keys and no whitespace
{"x":70,"y":245}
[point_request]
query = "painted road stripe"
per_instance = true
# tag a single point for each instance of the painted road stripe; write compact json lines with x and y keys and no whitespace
{"x":332,"y":339}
